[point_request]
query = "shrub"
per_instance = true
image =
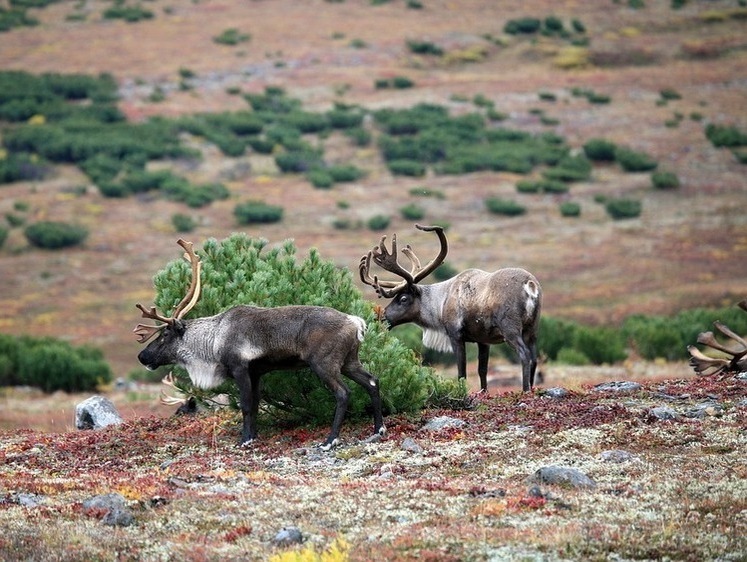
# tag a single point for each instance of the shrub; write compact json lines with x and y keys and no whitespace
{"x":522,"y":26}
{"x":378,"y":222}
{"x":623,"y":208}
{"x":241,"y":270}
{"x":320,"y":178}
{"x":231,"y":36}
{"x":633,"y":161}
{"x":51,"y":364}
{"x":406,"y":168}
{"x":723,"y":135}
{"x":130,"y":14}
{"x":600,"y":150}
{"x":3,"y":235}
{"x":572,"y":356}
{"x":298,"y":161}
{"x":570,"y":209}
{"x":253,"y":212}
{"x":665,"y":180}
{"x":53,"y":235}
{"x":183,"y":223}
{"x":504,"y":207}
{"x":402,"y":82}
{"x":600,"y":344}
{"x":412,"y":212}
{"x":424,"y":48}
{"x":345,"y":173}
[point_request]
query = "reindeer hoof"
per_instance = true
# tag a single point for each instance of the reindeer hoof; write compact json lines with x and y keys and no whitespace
{"x":246,"y":444}
{"x":329,"y":446}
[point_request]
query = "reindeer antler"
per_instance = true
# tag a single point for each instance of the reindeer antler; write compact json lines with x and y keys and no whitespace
{"x":388,"y":261}
{"x":145,"y":331}
{"x":737,"y":357}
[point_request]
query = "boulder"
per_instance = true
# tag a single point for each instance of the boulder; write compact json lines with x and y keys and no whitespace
{"x":96,"y":412}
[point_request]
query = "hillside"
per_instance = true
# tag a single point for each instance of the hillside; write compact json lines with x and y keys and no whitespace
{"x":686,"y":249}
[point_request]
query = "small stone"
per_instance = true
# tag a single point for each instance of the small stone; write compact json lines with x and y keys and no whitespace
{"x":618,"y":386}
{"x":663,"y":413}
{"x":443,"y":422}
{"x":706,"y":409}
{"x":409,"y":444}
{"x":562,"y":476}
{"x":288,"y":536}
{"x":96,"y":412}
{"x":117,"y":514}
{"x":556,"y":392}
{"x":617,"y":456}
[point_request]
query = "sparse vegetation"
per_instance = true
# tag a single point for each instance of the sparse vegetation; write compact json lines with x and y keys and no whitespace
{"x":257,"y":212}
{"x":55,"y":235}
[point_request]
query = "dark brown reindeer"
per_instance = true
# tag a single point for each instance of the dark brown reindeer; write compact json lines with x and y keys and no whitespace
{"x":473,"y":306}
{"x":245,"y":342}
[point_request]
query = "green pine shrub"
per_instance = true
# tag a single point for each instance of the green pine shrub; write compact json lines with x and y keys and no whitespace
{"x":183,"y":223}
{"x":378,"y":222}
{"x":3,"y":235}
{"x":725,"y":135}
{"x":51,"y":364}
{"x":424,"y":48}
{"x":623,"y":208}
{"x":634,"y":161}
{"x":257,"y":212}
{"x":320,"y":178}
{"x":602,"y":345}
{"x":241,"y":270}
{"x":411,"y":211}
{"x":504,"y":207}
{"x":53,"y":235}
{"x":600,"y":150}
{"x":231,"y":36}
{"x":664,"y":180}
{"x":570,"y":209}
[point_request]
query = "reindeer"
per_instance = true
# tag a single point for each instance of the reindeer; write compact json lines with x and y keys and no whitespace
{"x":474,"y":306}
{"x":245,"y":342}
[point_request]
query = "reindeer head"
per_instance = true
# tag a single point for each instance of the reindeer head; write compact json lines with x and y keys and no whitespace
{"x":406,"y":294}
{"x":162,"y":351}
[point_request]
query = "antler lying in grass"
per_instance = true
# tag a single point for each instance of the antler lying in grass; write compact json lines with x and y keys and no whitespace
{"x":733,"y":359}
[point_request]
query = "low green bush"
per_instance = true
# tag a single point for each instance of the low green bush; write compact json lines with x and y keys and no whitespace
{"x":51,"y":364}
{"x":257,"y":212}
{"x":600,"y":150}
{"x":665,"y":180}
{"x":570,"y":209}
{"x":526,"y":25}
{"x":424,"y":48}
{"x":378,"y":222}
{"x":410,"y":168}
{"x":623,"y":208}
{"x":53,"y":235}
{"x":3,"y":235}
{"x":504,"y":207}
{"x":725,"y":135}
{"x":183,"y":223}
{"x":320,"y":178}
{"x":412,"y":211}
{"x":231,"y":36}
{"x":634,"y":161}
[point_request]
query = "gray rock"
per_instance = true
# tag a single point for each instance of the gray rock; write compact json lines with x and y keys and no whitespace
{"x":556,"y":392}
{"x":663,"y":413}
{"x":96,"y":412}
{"x":562,"y":476}
{"x":706,"y":409}
{"x":114,"y":507}
{"x":617,"y":456}
{"x":288,"y":536}
{"x":28,"y":500}
{"x":409,"y":444}
{"x":618,"y":386}
{"x":443,"y":422}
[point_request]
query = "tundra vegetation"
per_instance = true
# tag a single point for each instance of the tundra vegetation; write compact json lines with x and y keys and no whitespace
{"x":667,"y":458}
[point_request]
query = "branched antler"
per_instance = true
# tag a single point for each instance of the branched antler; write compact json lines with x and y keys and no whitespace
{"x":168,"y":380}
{"x":146,"y":331}
{"x":736,"y":357}
{"x":388,"y":262}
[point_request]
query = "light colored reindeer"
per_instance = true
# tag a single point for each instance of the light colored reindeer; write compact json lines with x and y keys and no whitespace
{"x":473,"y":306}
{"x":245,"y":342}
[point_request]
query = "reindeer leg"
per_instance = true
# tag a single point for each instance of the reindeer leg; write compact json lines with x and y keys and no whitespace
{"x":461,"y":357}
{"x":248,"y":401}
{"x":342,"y":394}
{"x":483,"y":353}
{"x":528,"y":365}
{"x":357,"y":373}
